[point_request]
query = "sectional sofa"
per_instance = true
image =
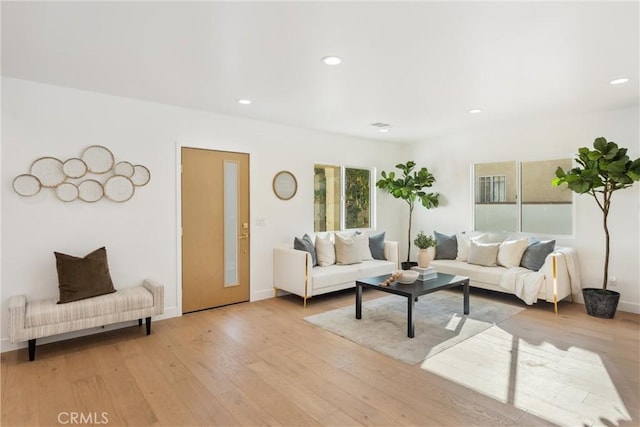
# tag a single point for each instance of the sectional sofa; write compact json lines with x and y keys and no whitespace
{"x":527,"y":267}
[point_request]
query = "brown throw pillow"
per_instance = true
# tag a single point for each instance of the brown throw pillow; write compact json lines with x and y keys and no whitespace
{"x":80,"y":278}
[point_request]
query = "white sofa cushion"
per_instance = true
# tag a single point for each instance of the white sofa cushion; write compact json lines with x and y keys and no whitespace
{"x":323,"y":277}
{"x":347,"y":250}
{"x":492,"y":275}
{"x":362,"y":240}
{"x":510,"y":252}
{"x":325,"y":251}
{"x":483,"y":253}
{"x":375,"y":268}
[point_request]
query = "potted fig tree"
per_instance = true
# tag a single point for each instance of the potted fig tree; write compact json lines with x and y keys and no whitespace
{"x":410,"y":188}
{"x":600,"y":173}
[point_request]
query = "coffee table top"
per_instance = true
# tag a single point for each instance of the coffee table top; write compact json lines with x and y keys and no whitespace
{"x":417,"y":288}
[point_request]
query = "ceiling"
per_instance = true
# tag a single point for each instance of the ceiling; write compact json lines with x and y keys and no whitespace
{"x":417,"y":66}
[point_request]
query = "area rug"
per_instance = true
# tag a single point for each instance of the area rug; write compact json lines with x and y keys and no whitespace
{"x":439,"y":323}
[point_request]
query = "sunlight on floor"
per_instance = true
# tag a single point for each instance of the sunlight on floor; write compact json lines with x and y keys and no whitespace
{"x":453,"y":323}
{"x":568,"y":387}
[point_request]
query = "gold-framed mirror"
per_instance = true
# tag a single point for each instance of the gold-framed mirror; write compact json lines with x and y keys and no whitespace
{"x":285,"y":185}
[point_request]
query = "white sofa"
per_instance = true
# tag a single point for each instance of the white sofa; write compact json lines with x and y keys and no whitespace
{"x":528,"y":285}
{"x":29,"y":320}
{"x":293,"y":271}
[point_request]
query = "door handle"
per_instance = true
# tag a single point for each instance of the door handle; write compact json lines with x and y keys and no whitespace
{"x":243,"y":236}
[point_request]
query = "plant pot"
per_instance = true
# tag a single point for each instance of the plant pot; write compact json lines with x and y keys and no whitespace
{"x":407,"y":265}
{"x":600,"y":303}
{"x":424,"y":258}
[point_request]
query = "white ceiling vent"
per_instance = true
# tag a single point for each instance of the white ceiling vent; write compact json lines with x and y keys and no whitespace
{"x":380,"y":125}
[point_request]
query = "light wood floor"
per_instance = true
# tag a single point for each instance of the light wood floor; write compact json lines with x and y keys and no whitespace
{"x":261,"y":364}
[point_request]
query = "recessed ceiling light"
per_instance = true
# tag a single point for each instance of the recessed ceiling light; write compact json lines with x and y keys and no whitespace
{"x":244,"y":101}
{"x":475,"y":111}
{"x":383,"y":130}
{"x":331,"y":60}
{"x":619,"y":81}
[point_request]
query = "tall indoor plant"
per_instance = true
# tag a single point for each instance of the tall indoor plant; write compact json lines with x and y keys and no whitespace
{"x":409,"y":187}
{"x":600,"y":173}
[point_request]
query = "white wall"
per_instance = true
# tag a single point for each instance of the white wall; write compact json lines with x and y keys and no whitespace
{"x":141,"y":234}
{"x":449,"y":159}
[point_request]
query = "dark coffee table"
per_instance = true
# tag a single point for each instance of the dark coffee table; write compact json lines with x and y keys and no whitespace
{"x":412,"y":292}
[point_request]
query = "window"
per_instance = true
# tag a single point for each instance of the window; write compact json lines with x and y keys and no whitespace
{"x":492,"y":189}
{"x":496,"y":196}
{"x":545,"y":208}
{"x":518,"y":196}
{"x":326,"y":199}
{"x":330,"y":213}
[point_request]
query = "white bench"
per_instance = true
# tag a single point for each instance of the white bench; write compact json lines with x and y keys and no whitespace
{"x":29,"y":320}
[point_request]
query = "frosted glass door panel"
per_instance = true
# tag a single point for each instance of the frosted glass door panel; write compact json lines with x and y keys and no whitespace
{"x":230,"y":224}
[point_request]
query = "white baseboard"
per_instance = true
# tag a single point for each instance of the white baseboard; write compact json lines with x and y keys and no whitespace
{"x":259,"y":295}
{"x":629,"y":307}
{"x":6,"y":345}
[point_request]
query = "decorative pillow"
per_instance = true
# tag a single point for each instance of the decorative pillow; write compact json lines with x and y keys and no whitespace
{"x":483,"y":253}
{"x":347,"y":250}
{"x":376,"y":245}
{"x":306,"y":244}
{"x":362,"y":240}
{"x":463,"y":247}
{"x":535,"y":255}
{"x":81,"y":278}
{"x":510,"y":252}
{"x":325,"y":251}
{"x":446,"y":246}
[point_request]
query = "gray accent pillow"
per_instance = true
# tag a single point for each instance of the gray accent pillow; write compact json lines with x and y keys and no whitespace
{"x":306,"y":244}
{"x":446,"y":246}
{"x":376,"y":245}
{"x":533,"y":258}
{"x":483,"y":253}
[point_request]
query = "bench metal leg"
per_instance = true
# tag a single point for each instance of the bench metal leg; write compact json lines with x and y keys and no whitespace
{"x":147,"y":322}
{"x":139,"y":322}
{"x":32,"y":350}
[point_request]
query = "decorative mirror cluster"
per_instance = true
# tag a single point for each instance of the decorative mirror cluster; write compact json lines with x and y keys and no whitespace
{"x":72,"y":181}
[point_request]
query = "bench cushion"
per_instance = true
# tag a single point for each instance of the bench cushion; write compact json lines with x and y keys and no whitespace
{"x":48,"y":312}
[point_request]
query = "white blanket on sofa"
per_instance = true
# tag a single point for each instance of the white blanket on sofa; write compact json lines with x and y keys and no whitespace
{"x":526,"y":284}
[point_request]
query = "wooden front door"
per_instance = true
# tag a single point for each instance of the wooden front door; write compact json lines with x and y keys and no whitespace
{"x":215,"y":228}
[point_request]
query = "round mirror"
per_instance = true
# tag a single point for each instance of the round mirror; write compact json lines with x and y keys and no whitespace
{"x":67,"y":192}
{"x":285,"y":185}
{"x":98,"y":159}
{"x":26,"y":185}
{"x":119,"y":188}
{"x":90,"y":191}
{"x":49,"y":171}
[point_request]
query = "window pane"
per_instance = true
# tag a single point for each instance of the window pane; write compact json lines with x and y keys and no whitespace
{"x":545,"y":208}
{"x":356,"y":194}
{"x":326,"y":200}
{"x":495,"y":196}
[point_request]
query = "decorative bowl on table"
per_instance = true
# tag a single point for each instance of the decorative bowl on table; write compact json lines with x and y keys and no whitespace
{"x":408,"y":277}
